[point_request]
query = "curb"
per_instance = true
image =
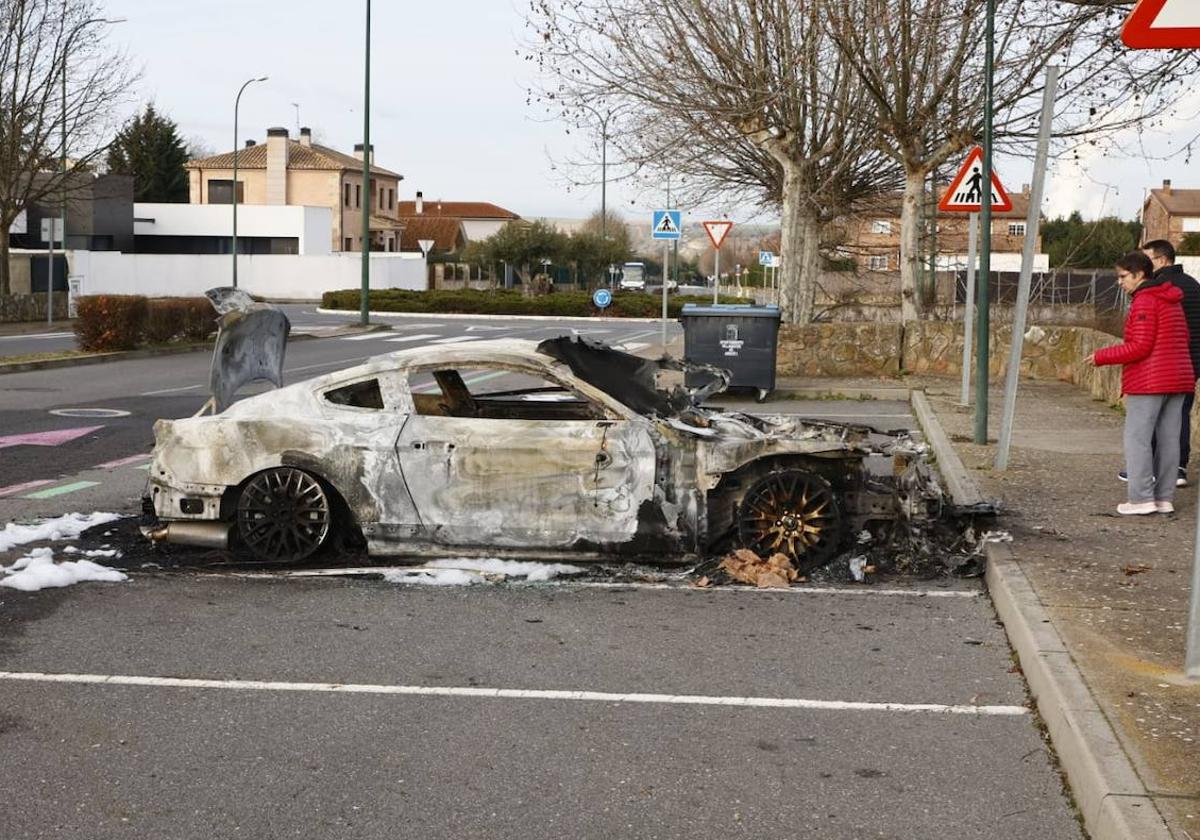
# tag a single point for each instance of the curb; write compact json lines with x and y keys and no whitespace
{"x":122,"y":355}
{"x":1108,"y":792}
{"x":866,"y":392}
{"x":459,"y":315}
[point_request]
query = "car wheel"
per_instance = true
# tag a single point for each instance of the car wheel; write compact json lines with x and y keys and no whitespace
{"x":283,"y":515}
{"x":794,"y":513}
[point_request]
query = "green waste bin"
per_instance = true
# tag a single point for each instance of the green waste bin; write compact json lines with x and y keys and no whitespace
{"x":742,"y":339}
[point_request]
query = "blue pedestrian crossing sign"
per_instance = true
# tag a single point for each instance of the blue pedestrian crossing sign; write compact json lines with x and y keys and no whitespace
{"x":666,"y":224}
{"x":602,"y":298}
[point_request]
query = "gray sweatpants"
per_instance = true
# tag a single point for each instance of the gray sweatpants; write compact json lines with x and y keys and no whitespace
{"x":1152,"y":470}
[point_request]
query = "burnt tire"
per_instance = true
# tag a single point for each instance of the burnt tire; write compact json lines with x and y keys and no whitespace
{"x":794,"y":513}
{"x":284,"y":515}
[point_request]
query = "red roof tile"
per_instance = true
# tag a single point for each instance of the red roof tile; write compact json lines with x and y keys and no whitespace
{"x":458,"y":209}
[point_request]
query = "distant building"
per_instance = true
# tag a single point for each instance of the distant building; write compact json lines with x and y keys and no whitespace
{"x":290,"y":172}
{"x":872,"y":236}
{"x":99,"y":215}
{"x":478,"y":219}
{"x":1170,"y":214}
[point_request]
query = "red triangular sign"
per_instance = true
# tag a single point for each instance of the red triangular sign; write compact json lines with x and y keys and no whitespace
{"x":966,"y":192}
{"x":1163,"y":25}
{"x":717,"y":231}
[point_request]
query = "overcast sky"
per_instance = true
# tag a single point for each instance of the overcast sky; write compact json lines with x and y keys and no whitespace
{"x":448,"y":100}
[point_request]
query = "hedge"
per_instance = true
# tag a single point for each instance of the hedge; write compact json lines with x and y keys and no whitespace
{"x":508,"y":302}
{"x":105,"y":323}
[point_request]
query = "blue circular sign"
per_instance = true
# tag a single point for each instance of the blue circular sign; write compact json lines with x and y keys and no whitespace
{"x":602,"y":298}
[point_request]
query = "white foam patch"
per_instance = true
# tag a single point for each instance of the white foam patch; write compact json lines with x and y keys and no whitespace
{"x":37,"y":570}
{"x":66,"y":527}
{"x":466,"y":571}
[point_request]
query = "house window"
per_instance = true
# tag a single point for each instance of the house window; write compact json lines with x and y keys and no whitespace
{"x":348,"y":244}
{"x":878,"y":262}
{"x":221,"y":192}
{"x":358,"y":195}
{"x":381,"y":198}
{"x":881,"y":226}
{"x":346,"y":198}
{"x":391,"y":199}
{"x":1016,"y":228}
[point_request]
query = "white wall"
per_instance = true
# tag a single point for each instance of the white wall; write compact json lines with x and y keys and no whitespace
{"x":1001,"y":261}
{"x":312,"y":226}
{"x":476,"y":230}
{"x":273,"y":276}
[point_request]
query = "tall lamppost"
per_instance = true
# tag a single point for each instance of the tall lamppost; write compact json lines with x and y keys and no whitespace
{"x":364,"y":306}
{"x":62,"y":189}
{"x":236,"y":103}
{"x":604,"y":118}
{"x":985,"y":255}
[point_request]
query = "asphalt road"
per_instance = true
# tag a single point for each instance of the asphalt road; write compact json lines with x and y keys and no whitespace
{"x":280,"y":706}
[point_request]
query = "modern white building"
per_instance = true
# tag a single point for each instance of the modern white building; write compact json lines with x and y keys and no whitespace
{"x":206,"y":229}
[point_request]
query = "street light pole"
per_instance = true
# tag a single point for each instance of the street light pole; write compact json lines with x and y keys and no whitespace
{"x":62,"y":188}
{"x":365,"y":297}
{"x":603,"y":163}
{"x":982,"y":337}
{"x":234,"y":198}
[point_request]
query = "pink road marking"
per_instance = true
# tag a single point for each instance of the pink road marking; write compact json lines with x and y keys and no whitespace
{"x":121,"y":462}
{"x":28,"y":485}
{"x":55,"y":438}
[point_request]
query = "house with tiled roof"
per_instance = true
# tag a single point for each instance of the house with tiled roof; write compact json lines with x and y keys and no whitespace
{"x":283,"y":171}
{"x":478,"y":219}
{"x":1169,"y":213}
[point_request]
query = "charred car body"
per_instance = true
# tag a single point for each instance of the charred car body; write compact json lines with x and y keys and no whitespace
{"x":564,"y":448}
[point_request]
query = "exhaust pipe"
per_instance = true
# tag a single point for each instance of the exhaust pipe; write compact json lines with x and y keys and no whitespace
{"x":203,"y":534}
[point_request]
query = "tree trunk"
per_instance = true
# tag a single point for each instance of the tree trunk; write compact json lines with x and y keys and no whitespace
{"x":5,"y":277}
{"x":910,"y":244}
{"x":799,"y":246}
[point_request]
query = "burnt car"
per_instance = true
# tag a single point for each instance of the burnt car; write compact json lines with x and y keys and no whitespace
{"x":563,"y":448}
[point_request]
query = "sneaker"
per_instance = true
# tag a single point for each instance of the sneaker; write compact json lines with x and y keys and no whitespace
{"x":1164,"y":507}
{"x":1137,"y":508}
{"x":1181,"y":479}
{"x":1123,"y":476}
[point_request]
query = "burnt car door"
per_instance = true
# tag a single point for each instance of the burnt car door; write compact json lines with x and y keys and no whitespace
{"x":516,"y":459}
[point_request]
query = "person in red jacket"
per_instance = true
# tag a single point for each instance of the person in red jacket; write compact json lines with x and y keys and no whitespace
{"x":1156,"y":377}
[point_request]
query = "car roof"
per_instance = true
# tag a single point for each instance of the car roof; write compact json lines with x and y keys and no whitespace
{"x":491,"y":351}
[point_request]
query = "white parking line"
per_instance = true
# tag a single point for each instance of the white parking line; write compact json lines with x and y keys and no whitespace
{"x":35,"y":335}
{"x":367,"y":336}
{"x":170,"y":390}
{"x":413,"y":338}
{"x":516,"y":694}
{"x":632,"y":348}
{"x":457,"y":339}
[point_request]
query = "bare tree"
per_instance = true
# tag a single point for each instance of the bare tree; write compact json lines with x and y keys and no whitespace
{"x":921,"y":63}
{"x":743,"y":97}
{"x":39,"y":41}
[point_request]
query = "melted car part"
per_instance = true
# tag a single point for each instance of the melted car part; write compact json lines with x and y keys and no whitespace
{"x":632,"y":379}
{"x":251,"y":342}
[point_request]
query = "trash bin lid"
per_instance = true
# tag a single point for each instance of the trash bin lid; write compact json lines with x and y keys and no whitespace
{"x":726,"y":310}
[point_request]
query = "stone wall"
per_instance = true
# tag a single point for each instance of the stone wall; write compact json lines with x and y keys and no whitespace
{"x":15,"y":308}
{"x":862,"y":349}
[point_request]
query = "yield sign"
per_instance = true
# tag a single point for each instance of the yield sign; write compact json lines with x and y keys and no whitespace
{"x":1163,"y":24}
{"x":717,"y":231}
{"x":966,"y":192}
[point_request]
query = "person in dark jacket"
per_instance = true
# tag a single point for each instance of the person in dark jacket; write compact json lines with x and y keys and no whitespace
{"x":1162,"y":256}
{"x":1156,"y":377}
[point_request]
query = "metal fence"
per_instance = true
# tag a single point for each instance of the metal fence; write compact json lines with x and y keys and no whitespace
{"x":1097,"y":288}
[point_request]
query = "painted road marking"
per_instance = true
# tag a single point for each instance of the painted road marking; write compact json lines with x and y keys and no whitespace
{"x":367,"y":336}
{"x":421,"y":337}
{"x":480,"y":693}
{"x":61,"y":490}
{"x":169,"y":390}
{"x":89,"y":412}
{"x":35,"y":335}
{"x":13,"y":489}
{"x":341,"y":363}
{"x":122,"y":462}
{"x":54,"y":438}
{"x":632,"y":348}
{"x":457,"y":339}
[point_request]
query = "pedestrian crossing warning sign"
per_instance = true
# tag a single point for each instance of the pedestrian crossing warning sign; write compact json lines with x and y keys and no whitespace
{"x":1163,"y":24}
{"x":966,"y":191}
{"x":666,"y":224}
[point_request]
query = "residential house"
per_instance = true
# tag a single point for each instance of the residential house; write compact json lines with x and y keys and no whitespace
{"x":284,"y":171}
{"x":872,"y":236}
{"x":479,"y":219}
{"x":1170,"y":214}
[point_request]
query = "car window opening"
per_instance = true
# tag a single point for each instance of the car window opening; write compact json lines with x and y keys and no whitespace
{"x":498,"y":395}
{"x":365,"y":394}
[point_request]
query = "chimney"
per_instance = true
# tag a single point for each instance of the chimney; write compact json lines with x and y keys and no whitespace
{"x":1024,"y":189}
{"x":420,"y":203}
{"x":1167,"y":185}
{"x":306,"y":137}
{"x":358,"y":152}
{"x":249,"y":144}
{"x":277,"y":163}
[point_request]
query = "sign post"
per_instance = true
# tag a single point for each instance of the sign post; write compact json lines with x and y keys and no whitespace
{"x":666,"y":225}
{"x":1168,"y":25}
{"x":717,"y":231}
{"x":52,"y":231}
{"x":969,"y":311}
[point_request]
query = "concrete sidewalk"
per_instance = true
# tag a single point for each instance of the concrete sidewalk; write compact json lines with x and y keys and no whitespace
{"x":1115,"y":590}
